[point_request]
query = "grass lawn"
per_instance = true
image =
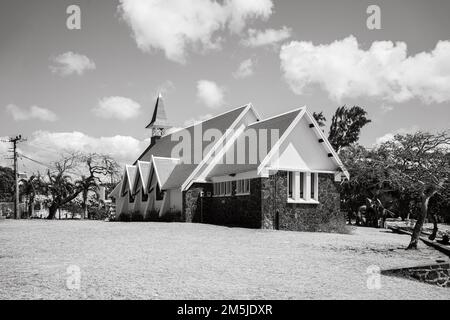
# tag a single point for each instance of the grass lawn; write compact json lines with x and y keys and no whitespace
{"x":193,"y":261}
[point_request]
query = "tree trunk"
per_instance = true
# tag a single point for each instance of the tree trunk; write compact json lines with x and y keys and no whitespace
{"x":30,"y":207}
{"x":435,"y":226}
{"x":52,"y":211}
{"x":426,"y":195}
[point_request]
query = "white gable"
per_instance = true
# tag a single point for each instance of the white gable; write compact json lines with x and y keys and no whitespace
{"x":301,"y":150}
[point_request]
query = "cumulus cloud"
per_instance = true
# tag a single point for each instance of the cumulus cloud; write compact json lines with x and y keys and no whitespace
{"x":390,"y":135}
{"x":210,"y":94}
{"x":258,"y":38}
{"x":34,"y":112}
{"x":117,"y":107}
{"x":239,"y":11}
{"x":71,"y":63}
{"x":173,"y":26}
{"x":47,"y":146}
{"x":245,"y":69}
{"x":385,"y":71}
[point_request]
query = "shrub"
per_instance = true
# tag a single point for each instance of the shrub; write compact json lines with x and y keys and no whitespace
{"x":124,"y":217}
{"x":333,"y":222}
{"x":136,"y":216}
{"x":171,"y":216}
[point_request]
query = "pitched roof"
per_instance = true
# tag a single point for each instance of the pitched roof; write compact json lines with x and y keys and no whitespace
{"x":163,"y":168}
{"x":222,"y":166}
{"x":131,"y":174}
{"x":178,"y":175}
{"x":159,"y":118}
{"x":115,"y":193}
{"x":144,"y":172}
{"x":165,"y":145}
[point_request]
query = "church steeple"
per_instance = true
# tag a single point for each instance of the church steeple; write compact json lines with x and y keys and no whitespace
{"x":159,"y":122}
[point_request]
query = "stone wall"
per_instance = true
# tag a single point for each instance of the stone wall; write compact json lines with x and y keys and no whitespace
{"x":437,"y":274}
{"x":258,"y":209}
{"x":236,"y":210}
{"x":194,"y":207}
{"x":325,"y":216}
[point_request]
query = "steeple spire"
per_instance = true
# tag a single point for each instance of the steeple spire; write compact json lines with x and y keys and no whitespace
{"x":159,"y":118}
{"x":159,"y":122}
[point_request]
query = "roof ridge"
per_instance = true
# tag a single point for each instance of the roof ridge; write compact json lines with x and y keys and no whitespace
{"x":210,"y":118}
{"x":278,"y":115}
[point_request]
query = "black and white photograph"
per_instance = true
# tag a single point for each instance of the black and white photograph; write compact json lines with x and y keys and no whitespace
{"x":223,"y":155}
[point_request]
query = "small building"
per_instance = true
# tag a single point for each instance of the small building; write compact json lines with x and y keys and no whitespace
{"x":234,"y":169}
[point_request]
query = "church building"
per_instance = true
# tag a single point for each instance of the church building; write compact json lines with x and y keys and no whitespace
{"x":234,"y":169}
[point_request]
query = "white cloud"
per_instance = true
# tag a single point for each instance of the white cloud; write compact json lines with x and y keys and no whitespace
{"x":385,"y":108}
{"x":47,"y":146}
{"x":34,"y":112}
{"x":70,"y":63}
{"x":390,"y":135}
{"x":245,"y":69}
{"x":384,"y":71}
{"x":210,"y":94}
{"x":258,"y":38}
{"x":243,"y":10}
{"x":117,"y":107}
{"x":173,"y":26}
{"x":4,"y":149}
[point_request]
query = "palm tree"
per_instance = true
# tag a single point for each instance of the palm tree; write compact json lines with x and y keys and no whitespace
{"x":30,"y":188}
{"x":86,"y":185}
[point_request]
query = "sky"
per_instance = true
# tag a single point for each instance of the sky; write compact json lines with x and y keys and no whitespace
{"x":94,"y":88}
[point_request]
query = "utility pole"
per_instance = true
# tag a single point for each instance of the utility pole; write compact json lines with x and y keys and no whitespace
{"x":14,"y":141}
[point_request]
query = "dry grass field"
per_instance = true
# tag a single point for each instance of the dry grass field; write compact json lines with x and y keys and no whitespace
{"x":194,"y":261}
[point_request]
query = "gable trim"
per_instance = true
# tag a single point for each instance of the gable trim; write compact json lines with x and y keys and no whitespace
{"x":229,"y":143}
{"x":156,"y":169}
{"x":212,"y":151}
{"x":277,"y":145}
{"x":143,"y":179}
{"x":328,"y":145}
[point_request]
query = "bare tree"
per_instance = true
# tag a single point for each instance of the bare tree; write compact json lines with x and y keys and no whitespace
{"x":420,"y":160}
{"x":75,"y":174}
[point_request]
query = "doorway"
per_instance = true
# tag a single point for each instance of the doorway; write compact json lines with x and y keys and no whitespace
{"x":276,"y":221}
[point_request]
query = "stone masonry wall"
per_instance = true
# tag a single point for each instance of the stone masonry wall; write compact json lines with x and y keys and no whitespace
{"x":193,"y":206}
{"x":437,"y":274}
{"x":235,"y":210}
{"x":325,"y":216}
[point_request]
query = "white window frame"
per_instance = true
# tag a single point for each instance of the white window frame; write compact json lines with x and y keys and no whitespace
{"x":242,"y":187}
{"x":304,"y":188}
{"x":222,"y":189}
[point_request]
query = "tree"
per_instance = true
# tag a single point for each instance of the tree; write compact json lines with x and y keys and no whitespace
{"x":420,"y":161}
{"x":63,"y":188}
{"x":97,"y":166}
{"x":369,"y":180}
{"x":60,"y":186}
{"x":6,"y":184}
{"x":30,"y":188}
{"x":320,"y":118}
{"x":346,"y":126}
